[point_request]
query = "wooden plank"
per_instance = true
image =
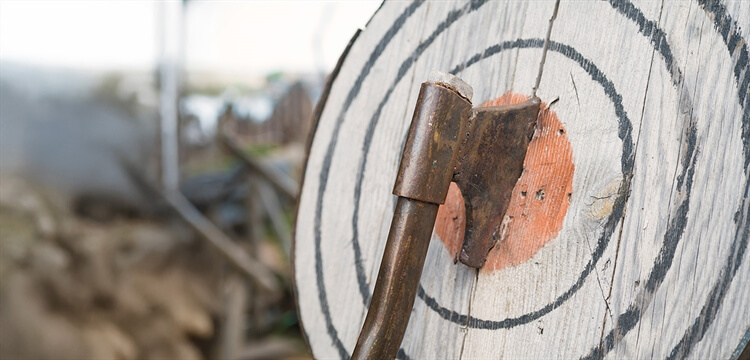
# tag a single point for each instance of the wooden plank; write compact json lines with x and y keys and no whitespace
{"x":272,"y":206}
{"x":281,"y":181}
{"x":232,"y":252}
{"x":647,"y":257}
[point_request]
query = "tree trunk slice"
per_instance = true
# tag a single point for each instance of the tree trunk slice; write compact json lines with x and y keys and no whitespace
{"x":650,"y":256}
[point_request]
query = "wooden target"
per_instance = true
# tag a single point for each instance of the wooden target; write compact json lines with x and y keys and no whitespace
{"x":629,"y":227}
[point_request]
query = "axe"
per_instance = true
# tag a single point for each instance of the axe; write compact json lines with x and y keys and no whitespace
{"x":482,"y":150}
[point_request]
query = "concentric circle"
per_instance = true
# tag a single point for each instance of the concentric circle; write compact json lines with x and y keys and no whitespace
{"x":677,"y":219}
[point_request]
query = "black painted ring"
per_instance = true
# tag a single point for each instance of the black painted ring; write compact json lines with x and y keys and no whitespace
{"x":625,"y":128}
{"x":627,"y":159}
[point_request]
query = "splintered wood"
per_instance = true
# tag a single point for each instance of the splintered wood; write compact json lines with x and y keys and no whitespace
{"x":630,"y":231}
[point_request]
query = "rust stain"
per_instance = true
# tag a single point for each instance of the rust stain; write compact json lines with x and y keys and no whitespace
{"x":539,"y":201}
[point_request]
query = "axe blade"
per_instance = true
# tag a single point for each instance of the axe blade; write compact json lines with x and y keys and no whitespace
{"x":489,"y":165}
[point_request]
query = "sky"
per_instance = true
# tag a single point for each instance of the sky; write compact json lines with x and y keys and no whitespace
{"x":220,"y":36}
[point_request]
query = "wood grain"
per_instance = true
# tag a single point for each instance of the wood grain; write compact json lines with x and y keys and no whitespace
{"x":650,"y":256}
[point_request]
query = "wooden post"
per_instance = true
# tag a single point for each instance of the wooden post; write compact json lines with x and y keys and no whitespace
{"x":170,"y":64}
{"x":628,"y":232}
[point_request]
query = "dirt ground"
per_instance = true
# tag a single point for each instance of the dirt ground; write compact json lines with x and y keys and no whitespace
{"x":125,"y":288}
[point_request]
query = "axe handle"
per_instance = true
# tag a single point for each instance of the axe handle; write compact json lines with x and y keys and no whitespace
{"x":425,"y":173}
{"x":489,"y":163}
{"x":398,"y":280}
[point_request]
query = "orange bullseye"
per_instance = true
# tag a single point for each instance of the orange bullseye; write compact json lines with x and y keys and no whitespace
{"x":539,"y":201}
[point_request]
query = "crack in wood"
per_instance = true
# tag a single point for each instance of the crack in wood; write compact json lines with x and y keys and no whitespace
{"x":575,"y":89}
{"x":627,"y":196}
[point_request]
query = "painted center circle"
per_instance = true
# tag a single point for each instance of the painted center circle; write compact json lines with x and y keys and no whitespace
{"x":539,"y":200}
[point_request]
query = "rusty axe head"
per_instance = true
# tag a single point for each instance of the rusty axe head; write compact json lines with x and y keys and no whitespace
{"x":481,"y":149}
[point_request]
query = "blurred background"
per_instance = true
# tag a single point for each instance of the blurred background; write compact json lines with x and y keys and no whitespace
{"x":150,"y":155}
